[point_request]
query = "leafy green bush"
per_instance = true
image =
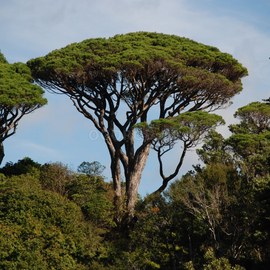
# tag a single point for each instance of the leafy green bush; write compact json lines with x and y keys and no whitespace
{"x":41,"y":229}
{"x":89,"y":193}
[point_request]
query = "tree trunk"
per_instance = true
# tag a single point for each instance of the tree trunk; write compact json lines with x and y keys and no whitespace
{"x":116,"y":175}
{"x":134,"y":178}
{"x":2,"y":152}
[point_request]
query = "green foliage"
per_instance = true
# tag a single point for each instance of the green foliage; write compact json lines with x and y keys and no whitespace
{"x":132,"y":50}
{"x":91,"y":169}
{"x":218,"y":264}
{"x":31,"y":246}
{"x":18,"y":96}
{"x":90,"y":194}
{"x":250,"y":139}
{"x":223,"y":203}
{"x":16,"y":88}
{"x":229,"y":195}
{"x":255,"y":119}
{"x":55,"y":177}
{"x":40,"y":229}
{"x":214,"y":149}
{"x":188,"y":127}
{"x":214,"y":218}
{"x":2,"y":58}
{"x":24,"y":166}
{"x":164,"y":235}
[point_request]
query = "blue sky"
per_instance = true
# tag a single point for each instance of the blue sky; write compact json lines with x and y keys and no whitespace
{"x":57,"y":132}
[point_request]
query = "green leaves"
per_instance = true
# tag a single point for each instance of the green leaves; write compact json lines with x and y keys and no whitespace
{"x":93,"y":169}
{"x":38,"y":229}
{"x":2,"y":58}
{"x":88,"y":191}
{"x":255,"y":118}
{"x":16,"y":88}
{"x":218,"y":264}
{"x":250,"y":139}
{"x":188,"y":127}
{"x":18,"y":96}
{"x":135,"y":50}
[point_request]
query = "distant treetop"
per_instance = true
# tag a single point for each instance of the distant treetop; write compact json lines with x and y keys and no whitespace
{"x":2,"y":58}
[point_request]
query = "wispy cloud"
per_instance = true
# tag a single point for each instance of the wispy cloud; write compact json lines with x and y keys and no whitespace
{"x":42,"y":150}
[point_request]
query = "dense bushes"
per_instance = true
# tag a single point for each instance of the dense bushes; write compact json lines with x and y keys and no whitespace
{"x":42,"y":229}
{"x":53,"y":218}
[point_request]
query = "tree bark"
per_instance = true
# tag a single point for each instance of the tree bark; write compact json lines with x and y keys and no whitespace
{"x":116,"y":175}
{"x":134,"y":178}
{"x":2,"y":152}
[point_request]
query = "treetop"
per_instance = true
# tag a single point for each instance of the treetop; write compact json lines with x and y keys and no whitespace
{"x":2,"y":58}
{"x":16,"y":86}
{"x":135,"y":50}
{"x":255,"y":118}
{"x":252,"y":108}
{"x":188,"y":126}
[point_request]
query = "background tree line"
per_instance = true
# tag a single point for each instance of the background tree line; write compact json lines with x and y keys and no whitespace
{"x":214,"y":217}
